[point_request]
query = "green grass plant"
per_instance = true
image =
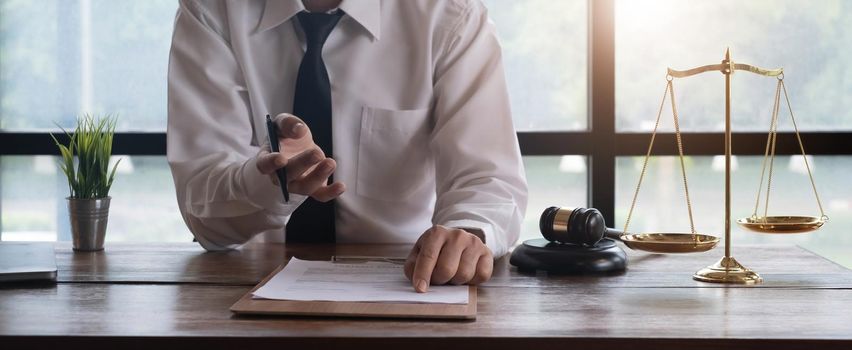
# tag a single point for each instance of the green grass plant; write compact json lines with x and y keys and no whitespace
{"x":89,"y":176}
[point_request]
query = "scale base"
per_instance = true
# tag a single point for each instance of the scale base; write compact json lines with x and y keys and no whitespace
{"x":727,"y":270}
{"x":541,"y":255}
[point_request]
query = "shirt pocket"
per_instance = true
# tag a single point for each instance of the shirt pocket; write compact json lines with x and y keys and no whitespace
{"x":394,"y":160}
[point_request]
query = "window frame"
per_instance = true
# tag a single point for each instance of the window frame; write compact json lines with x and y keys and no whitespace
{"x":600,"y":143}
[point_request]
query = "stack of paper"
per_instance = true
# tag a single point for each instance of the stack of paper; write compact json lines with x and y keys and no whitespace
{"x":359,"y":282}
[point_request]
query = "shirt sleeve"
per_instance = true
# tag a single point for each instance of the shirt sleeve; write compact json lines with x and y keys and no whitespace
{"x":223,"y":197}
{"x":480,"y":175}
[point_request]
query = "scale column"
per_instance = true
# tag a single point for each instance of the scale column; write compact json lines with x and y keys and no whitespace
{"x":727,"y":269}
{"x":728,"y":72}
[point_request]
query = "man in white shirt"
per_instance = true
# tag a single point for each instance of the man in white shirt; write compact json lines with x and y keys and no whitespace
{"x":408,"y":97}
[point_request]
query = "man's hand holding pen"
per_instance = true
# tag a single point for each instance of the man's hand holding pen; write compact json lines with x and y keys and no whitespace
{"x":308,"y":169}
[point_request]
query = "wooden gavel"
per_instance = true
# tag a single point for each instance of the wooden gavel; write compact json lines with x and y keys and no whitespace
{"x":579,"y":226}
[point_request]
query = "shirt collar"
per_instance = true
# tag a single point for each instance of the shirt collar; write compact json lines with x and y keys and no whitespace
{"x":366,"y":12}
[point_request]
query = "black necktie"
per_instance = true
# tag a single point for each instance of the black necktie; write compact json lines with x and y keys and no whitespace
{"x":313,"y":221}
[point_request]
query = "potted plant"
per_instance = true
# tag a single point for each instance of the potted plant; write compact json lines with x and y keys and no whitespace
{"x":85,"y":163}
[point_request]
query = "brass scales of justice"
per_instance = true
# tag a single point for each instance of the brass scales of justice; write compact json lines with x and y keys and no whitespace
{"x":727,"y":269}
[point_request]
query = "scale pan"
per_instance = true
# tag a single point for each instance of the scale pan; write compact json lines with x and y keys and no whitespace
{"x":781,"y":224}
{"x":670,"y":242}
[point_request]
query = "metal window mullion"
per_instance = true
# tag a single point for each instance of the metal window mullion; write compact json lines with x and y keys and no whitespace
{"x":601,"y":82}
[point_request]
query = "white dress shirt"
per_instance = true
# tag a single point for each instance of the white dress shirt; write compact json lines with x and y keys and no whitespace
{"x":422,"y":127}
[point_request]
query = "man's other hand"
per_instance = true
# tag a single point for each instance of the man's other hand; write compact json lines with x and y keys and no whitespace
{"x":447,"y":255}
{"x":308,"y":169}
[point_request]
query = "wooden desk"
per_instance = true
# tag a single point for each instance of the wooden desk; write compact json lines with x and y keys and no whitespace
{"x":159,"y":294}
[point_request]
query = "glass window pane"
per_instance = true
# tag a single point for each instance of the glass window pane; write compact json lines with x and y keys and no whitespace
{"x":553,"y":181}
{"x":544,"y":50}
{"x":809,"y":39}
{"x":61,"y":58}
{"x":661,"y":205}
{"x":143,"y":206}
{"x":33,"y":192}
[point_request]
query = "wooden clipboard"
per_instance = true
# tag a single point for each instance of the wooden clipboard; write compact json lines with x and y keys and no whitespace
{"x":250,"y":306}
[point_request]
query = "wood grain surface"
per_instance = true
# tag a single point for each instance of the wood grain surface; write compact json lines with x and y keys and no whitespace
{"x":149,"y":295}
{"x":782,"y":266}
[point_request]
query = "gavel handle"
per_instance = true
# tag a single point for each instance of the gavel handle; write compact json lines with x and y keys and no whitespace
{"x":613,"y":233}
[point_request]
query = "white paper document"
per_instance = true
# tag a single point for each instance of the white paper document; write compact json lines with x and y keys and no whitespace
{"x":360,"y":282}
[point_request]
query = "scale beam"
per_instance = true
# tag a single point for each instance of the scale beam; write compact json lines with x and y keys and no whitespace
{"x":724,"y":68}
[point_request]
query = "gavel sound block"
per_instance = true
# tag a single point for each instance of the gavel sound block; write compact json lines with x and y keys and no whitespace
{"x":576,"y":241}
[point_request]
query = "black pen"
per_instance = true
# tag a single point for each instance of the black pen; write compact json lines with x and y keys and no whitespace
{"x":272,"y":130}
